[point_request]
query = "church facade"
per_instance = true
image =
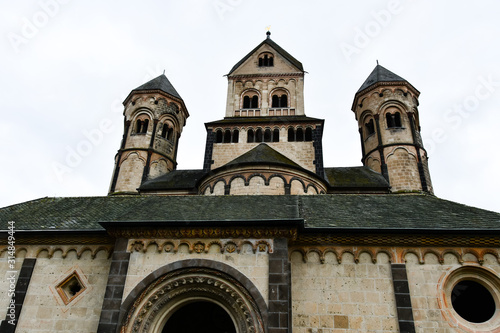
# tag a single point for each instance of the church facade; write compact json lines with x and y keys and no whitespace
{"x":263,"y":237}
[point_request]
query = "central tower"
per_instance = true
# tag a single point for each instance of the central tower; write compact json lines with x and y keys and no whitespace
{"x":265,"y":104}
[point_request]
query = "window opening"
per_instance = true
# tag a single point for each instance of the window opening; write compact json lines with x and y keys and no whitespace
{"x":164,"y":131}
{"x":291,"y":134}
{"x":472,"y":301}
{"x":236,"y":136}
{"x":370,"y":127}
{"x":227,"y":136}
{"x":250,"y":136}
{"x":276,"y":135}
{"x":267,"y":135}
{"x":309,"y":136}
{"x":258,"y":135}
{"x":299,"y":136}
{"x":393,"y":120}
{"x":218,"y":136}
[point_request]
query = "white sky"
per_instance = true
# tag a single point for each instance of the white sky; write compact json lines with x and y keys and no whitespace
{"x":67,"y":65}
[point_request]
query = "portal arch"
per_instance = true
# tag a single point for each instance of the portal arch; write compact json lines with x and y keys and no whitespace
{"x":162,"y":293}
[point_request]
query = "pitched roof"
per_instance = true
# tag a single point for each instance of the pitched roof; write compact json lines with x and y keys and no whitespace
{"x":174,"y":180}
{"x":262,"y":154}
{"x":380,"y":74}
{"x":159,"y":83}
{"x":276,"y":47}
{"x":355,"y":177}
{"x":356,"y":212}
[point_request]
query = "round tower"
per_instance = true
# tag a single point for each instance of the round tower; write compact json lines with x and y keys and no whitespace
{"x":155,"y":115}
{"x":386,"y":108}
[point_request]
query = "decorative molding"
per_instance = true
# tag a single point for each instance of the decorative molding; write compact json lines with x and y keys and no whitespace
{"x":395,"y":254}
{"x":36,"y":251}
{"x":223,"y":233}
{"x":400,"y":239}
{"x":200,"y":245}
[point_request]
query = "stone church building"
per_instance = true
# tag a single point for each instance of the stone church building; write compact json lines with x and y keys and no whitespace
{"x":263,"y":238}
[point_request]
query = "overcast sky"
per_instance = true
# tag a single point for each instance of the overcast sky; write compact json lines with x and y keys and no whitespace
{"x":66,"y":66}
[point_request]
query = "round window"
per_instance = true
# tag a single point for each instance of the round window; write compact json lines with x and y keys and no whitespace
{"x":472,"y":301}
{"x":469,"y":298}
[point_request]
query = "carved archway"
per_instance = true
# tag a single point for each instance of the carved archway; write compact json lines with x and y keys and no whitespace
{"x":154,"y":300}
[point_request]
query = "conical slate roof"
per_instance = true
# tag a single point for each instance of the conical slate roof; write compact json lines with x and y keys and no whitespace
{"x":159,"y":83}
{"x":380,"y":74}
{"x":276,"y":47}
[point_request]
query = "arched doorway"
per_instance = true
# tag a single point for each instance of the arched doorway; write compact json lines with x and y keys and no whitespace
{"x":200,"y":316}
{"x":179,"y":292}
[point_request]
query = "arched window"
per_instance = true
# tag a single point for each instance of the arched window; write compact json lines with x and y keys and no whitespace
{"x":370,"y":127}
{"x":397,"y":119}
{"x":254,"y":104}
{"x":284,"y":101}
{"x":309,"y":134}
{"x":145,"y":126}
{"x":276,"y":101}
{"x":300,"y":134}
{"x":291,"y":135}
{"x":236,"y":136}
{"x":276,"y":135}
{"x":138,"y":126}
{"x":250,"y":136}
{"x":218,"y":136}
{"x":170,"y":134}
{"x":227,"y":137}
{"x":267,"y":135}
{"x":258,"y":135}
{"x":164,"y":131}
{"x":246,"y":102}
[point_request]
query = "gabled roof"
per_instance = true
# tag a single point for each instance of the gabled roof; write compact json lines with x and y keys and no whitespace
{"x":381,"y":74}
{"x":400,"y":213}
{"x":159,"y":83}
{"x":262,"y":154}
{"x":276,"y":47}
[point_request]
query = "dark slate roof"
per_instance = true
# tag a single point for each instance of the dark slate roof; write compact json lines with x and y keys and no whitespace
{"x":262,"y":154}
{"x":397,"y":212}
{"x":174,"y":180}
{"x":273,"y":120}
{"x":380,"y":74}
{"x":159,"y":83}
{"x":352,"y":177}
{"x":278,"y":49}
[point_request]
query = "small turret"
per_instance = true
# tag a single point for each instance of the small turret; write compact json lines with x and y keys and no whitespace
{"x":155,"y":115}
{"x":386,"y":108}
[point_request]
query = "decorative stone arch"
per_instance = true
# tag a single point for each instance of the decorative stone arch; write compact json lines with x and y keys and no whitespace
{"x":279,"y":92}
{"x":129,"y":155}
{"x":250,"y":92}
{"x":266,"y":181}
{"x":151,"y":303}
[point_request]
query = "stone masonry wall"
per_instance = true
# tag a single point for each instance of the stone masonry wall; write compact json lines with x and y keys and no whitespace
{"x":342,"y":297}
{"x":45,"y":311}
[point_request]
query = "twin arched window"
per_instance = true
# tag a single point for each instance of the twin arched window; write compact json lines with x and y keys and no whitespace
{"x":266,"y":60}
{"x":299,"y":134}
{"x":167,"y":132}
{"x":279,"y":101}
{"x":251,"y":102}
{"x":393,"y":119}
{"x":141,"y":126}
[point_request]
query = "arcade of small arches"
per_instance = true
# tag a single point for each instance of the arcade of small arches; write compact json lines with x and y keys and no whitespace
{"x":262,"y":183}
{"x":294,"y":134}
